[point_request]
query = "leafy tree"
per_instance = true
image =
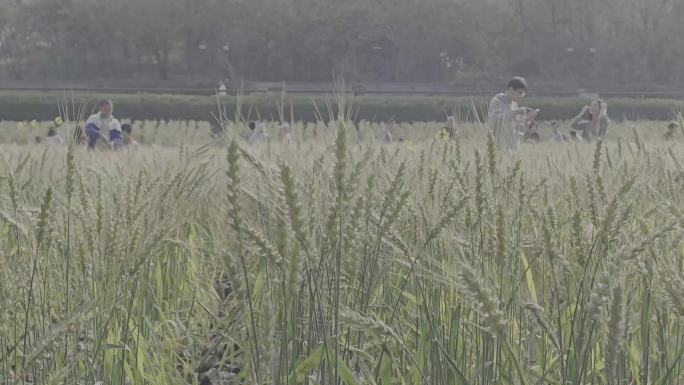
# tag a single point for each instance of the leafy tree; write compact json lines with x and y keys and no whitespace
{"x":586,"y":42}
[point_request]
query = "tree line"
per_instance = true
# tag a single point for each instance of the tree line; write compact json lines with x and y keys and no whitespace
{"x":461,"y":41}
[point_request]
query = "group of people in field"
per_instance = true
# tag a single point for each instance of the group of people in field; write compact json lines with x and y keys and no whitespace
{"x":257,"y":133}
{"x":52,"y":138}
{"x":509,"y":123}
{"x":512,"y":124}
{"x":102,"y":130}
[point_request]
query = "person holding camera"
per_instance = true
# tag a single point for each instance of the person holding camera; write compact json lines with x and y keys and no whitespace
{"x":592,"y":121}
{"x":507,"y":120}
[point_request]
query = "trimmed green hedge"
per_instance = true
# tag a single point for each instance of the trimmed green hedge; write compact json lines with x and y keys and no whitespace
{"x":44,"y":106}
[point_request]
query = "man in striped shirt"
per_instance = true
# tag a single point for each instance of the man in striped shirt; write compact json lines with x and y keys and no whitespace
{"x":506,"y":120}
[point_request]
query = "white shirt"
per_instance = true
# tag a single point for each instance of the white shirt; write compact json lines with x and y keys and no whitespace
{"x":114,"y":124}
{"x":102,"y":123}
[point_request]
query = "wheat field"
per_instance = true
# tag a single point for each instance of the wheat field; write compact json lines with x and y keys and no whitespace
{"x":336,"y":259}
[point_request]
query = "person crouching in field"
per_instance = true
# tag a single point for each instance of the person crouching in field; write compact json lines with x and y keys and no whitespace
{"x":592,"y":121}
{"x":53,"y":138}
{"x":450,"y":129}
{"x":116,"y":140}
{"x":669,"y":134}
{"x":507,"y":121}
{"x":556,"y":134}
{"x":98,"y":124}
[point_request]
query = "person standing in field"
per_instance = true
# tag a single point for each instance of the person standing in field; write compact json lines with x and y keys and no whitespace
{"x":98,"y":124}
{"x":389,"y":127}
{"x":506,"y":120}
{"x":592,"y":121}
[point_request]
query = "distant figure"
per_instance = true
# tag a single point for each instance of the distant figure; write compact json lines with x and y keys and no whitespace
{"x":531,"y":133}
{"x":37,"y":140}
{"x":592,"y":121}
{"x":450,"y":128}
{"x":116,"y":140}
{"x":507,"y":121}
{"x":389,"y":127}
{"x":128,"y":135}
{"x":256,"y":133}
{"x":558,"y":136}
{"x":251,"y":126}
{"x":575,"y":137}
{"x":285,"y":132}
{"x":97,"y":125}
{"x":671,"y":128}
{"x":222,"y":89}
{"x":53,"y":138}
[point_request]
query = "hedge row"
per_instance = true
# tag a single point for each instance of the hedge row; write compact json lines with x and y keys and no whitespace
{"x":45,"y":106}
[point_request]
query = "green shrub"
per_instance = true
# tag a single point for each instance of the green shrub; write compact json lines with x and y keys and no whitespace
{"x":45,"y":106}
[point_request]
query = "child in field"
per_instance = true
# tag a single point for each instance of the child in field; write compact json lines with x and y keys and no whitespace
{"x":558,"y":136}
{"x":256,"y":133}
{"x":671,"y":128}
{"x":450,"y":128}
{"x":53,"y":138}
{"x":251,"y":127}
{"x":127,"y":135}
